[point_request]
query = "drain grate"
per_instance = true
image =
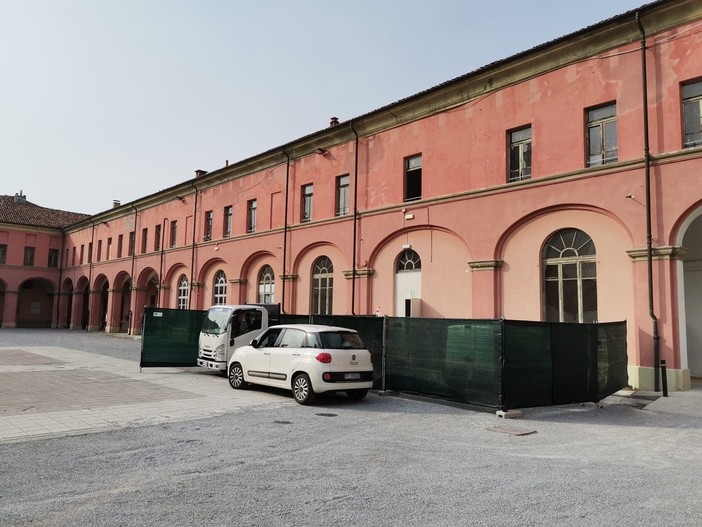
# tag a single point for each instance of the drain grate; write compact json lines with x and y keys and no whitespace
{"x":326,"y":415}
{"x":511,"y":430}
{"x":283,"y":422}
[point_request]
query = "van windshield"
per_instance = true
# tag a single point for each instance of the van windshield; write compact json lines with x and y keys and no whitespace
{"x":216,"y":320}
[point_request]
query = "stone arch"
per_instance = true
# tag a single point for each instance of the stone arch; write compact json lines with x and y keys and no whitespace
{"x":169,"y":294}
{"x":35,"y":302}
{"x":204,"y":290}
{"x":65,"y":310}
{"x":250,"y":271}
{"x":99,"y":303}
{"x":520,"y":248}
{"x":303,"y":269}
{"x":446,"y":286}
{"x":687,"y":235}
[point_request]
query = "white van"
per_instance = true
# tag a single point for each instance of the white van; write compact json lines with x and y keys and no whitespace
{"x":226,"y":327}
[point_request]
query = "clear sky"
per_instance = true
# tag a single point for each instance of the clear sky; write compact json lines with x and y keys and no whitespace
{"x":105,"y":100}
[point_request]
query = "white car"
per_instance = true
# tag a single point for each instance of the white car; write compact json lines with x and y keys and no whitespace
{"x":307,"y":359}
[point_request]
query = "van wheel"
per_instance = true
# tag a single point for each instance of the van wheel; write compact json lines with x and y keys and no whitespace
{"x":356,"y":395}
{"x":302,"y":389}
{"x":236,"y":376}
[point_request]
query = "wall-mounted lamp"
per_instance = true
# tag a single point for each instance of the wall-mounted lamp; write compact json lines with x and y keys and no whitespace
{"x":320,"y":151}
{"x":629,"y":196}
{"x":216,"y":247}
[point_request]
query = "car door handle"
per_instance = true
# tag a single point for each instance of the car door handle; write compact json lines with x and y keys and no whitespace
{"x":295,"y":354}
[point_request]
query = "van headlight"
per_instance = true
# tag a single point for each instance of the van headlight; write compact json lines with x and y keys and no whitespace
{"x":219,"y":352}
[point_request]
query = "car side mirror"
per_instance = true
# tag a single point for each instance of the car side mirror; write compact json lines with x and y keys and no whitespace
{"x":254,"y":343}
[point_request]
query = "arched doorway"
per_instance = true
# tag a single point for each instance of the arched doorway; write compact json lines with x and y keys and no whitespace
{"x":692,"y":292}
{"x":408,"y":284}
{"x":35,"y":304}
{"x":125,"y":302}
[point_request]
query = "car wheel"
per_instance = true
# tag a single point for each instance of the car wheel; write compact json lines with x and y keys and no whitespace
{"x":356,"y":395}
{"x":236,"y":376}
{"x":302,"y":389}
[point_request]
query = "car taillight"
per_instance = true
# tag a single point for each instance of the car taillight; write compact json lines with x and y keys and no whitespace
{"x":324,"y":358}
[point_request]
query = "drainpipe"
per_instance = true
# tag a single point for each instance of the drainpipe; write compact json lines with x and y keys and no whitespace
{"x":90,"y":270}
{"x":160,"y":265}
{"x":355,"y":229}
{"x":130,"y":329}
{"x":192,"y":256}
{"x":649,"y":248}
{"x":285,"y":225}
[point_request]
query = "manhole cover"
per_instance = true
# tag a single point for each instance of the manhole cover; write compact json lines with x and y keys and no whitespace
{"x":326,"y":415}
{"x":511,"y":430}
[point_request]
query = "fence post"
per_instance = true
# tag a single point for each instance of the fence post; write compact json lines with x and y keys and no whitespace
{"x":382,"y":355}
{"x":664,"y":379}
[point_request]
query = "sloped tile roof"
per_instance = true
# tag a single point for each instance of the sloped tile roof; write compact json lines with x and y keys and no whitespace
{"x":32,"y":215}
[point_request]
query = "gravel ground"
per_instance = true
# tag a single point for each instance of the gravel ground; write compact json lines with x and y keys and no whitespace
{"x":382,"y":461}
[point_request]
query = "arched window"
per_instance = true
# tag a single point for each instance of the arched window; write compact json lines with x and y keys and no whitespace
{"x":570,"y":277}
{"x":322,"y":286}
{"x":409,"y":261}
{"x":220,"y":288}
{"x":183,"y":291}
{"x":266,"y":285}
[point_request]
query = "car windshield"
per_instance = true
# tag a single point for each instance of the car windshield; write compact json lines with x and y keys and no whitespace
{"x":216,"y":320}
{"x":340,"y":340}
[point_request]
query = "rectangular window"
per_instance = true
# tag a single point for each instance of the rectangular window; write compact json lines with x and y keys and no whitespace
{"x":174,"y":233}
{"x":157,"y":238}
{"x":53,"y":258}
{"x":132,"y":243}
{"x":120,"y":243}
{"x":692,"y":113}
{"x":109,"y":249}
{"x":208,"y":226}
{"x":342,"y":195}
{"x":99,"y":251}
{"x":306,"y":205}
{"x":65,"y":258}
{"x":602,"y":135}
{"x":82,"y":254}
{"x":251,"y":216}
{"x":227,"y":221}
{"x":413,"y":178}
{"x":144,"y":240}
{"x":73,"y":256}
{"x":90,"y":252}
{"x":3,"y":253}
{"x":29,"y":255}
{"x":520,"y":155}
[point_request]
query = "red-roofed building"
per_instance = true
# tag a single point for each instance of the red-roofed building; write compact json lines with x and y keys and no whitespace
{"x":30,"y":269}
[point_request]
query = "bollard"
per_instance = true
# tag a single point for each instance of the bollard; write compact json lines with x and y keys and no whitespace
{"x":664,"y":379}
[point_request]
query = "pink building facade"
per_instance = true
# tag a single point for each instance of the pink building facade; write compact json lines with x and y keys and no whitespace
{"x":561,"y":184}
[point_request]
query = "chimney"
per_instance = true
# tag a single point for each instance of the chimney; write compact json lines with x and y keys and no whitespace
{"x":20,"y":198}
{"x":115,"y":203}
{"x":334,"y":122}
{"x":200,"y":173}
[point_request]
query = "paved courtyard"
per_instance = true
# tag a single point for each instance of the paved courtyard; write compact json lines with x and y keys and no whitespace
{"x":88,"y":439}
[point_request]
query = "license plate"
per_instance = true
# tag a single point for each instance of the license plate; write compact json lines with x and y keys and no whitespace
{"x":351,"y":376}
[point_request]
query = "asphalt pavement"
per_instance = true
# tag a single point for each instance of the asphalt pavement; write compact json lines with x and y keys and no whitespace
{"x":86,"y":438}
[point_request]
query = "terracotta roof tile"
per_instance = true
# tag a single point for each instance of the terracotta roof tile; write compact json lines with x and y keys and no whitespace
{"x":26,"y":213}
